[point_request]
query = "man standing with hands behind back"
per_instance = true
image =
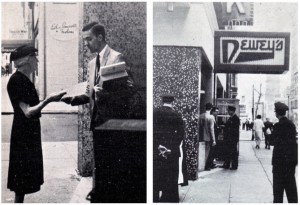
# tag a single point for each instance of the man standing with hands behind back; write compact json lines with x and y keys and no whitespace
{"x":113,"y":98}
{"x":168,"y":132}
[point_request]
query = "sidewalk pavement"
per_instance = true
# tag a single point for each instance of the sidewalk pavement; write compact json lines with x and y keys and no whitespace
{"x":251,"y":183}
{"x":62,"y":184}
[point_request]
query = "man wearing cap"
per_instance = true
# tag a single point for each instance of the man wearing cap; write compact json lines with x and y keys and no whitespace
{"x":231,"y":139}
{"x":207,"y":130}
{"x":285,"y":156}
{"x":168,"y":132}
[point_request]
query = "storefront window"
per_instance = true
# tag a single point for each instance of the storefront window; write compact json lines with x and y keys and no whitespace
{"x":16,"y":30}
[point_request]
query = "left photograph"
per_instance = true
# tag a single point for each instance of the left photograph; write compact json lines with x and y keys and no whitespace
{"x":73,"y":82}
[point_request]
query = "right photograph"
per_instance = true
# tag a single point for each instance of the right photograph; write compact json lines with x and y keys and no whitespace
{"x":225,"y":102}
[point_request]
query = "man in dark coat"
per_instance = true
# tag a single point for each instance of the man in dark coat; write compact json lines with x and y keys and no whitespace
{"x":268,"y":131}
{"x":231,"y":139}
{"x":168,"y":129}
{"x":285,"y":156}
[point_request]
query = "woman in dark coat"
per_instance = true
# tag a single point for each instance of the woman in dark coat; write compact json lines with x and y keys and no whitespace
{"x":25,"y":172}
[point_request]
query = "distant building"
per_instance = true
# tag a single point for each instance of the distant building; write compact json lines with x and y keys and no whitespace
{"x":271,"y":93}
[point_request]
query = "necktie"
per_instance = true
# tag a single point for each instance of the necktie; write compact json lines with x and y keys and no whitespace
{"x":97,"y":69}
{"x":97,"y":78}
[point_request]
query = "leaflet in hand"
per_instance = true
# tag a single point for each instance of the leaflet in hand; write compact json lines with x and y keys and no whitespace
{"x":78,"y":89}
{"x":113,"y":71}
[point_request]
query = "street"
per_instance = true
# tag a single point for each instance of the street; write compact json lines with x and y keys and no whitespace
{"x":251,"y":183}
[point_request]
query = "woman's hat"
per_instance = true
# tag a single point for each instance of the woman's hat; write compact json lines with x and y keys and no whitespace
{"x":22,"y":51}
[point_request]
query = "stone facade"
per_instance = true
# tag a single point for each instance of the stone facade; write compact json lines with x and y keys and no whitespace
{"x":176,"y":70}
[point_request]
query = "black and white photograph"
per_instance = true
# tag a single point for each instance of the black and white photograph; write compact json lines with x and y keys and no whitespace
{"x":149,"y":102}
{"x":225,"y":102}
{"x":73,"y":83}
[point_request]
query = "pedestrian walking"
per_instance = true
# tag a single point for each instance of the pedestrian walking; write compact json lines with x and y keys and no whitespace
{"x":25,"y":172}
{"x":285,"y":156}
{"x":247,"y":125}
{"x":268,"y":132}
{"x":243,"y":124}
{"x":258,"y":127}
{"x":231,"y":138}
{"x":207,"y":130}
{"x":168,"y":132}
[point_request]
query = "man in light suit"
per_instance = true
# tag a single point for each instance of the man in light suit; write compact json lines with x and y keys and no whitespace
{"x":111,"y":98}
{"x":207,"y":130}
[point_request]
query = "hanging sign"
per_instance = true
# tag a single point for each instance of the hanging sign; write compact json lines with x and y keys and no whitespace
{"x":251,"y":52}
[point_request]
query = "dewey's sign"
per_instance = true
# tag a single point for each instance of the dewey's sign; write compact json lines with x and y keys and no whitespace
{"x":251,"y":52}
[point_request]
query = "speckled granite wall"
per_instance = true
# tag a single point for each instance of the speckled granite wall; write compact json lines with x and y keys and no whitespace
{"x":176,"y":70}
{"x":125,"y":24}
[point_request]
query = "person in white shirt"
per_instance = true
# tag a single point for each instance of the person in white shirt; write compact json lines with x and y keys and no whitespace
{"x":258,"y":130}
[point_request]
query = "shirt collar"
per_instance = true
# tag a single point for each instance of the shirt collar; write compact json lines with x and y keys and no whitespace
{"x":168,"y":105}
{"x":101,"y":54}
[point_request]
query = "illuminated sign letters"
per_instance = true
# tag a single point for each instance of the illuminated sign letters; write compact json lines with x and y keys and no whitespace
{"x":251,"y":52}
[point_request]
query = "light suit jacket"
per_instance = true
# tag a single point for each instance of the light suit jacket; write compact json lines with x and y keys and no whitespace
{"x":207,"y":126}
{"x":110,"y":57}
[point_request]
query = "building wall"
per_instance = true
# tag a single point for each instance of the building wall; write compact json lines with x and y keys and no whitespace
{"x":187,"y":25}
{"x":176,"y":70}
{"x":58,"y":50}
{"x":125,"y":25}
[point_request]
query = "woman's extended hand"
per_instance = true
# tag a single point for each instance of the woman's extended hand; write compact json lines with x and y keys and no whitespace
{"x":54,"y":97}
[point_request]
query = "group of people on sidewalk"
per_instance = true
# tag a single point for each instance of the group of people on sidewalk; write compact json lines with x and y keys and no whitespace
{"x":209,"y":131}
{"x":169,"y":131}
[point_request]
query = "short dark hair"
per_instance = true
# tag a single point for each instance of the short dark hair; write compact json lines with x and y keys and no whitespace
{"x":95,"y":28}
{"x":208,"y":106}
{"x":258,"y":116}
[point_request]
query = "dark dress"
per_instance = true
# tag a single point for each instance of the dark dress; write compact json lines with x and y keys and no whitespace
{"x":168,"y":128}
{"x":25,"y":172}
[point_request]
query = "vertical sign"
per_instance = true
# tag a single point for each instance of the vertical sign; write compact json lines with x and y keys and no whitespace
{"x":241,"y":13}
